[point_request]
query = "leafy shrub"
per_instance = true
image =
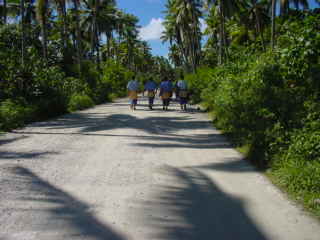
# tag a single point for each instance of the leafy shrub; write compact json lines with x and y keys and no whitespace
{"x":114,"y":80}
{"x":269,"y":101}
{"x":298,"y":169}
{"x":14,"y":114}
{"x":79,"y":102}
{"x":199,"y":81}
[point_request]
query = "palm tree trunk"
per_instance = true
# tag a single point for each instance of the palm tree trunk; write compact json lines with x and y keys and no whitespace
{"x":221,"y":37}
{"x":273,"y":25}
{"x":284,"y":7}
{"x":44,"y":41}
{"x":98,"y":51}
{"x":22,"y":9}
{"x":4,"y":11}
{"x":42,"y":7}
{"x":78,"y":37}
{"x":94,"y":28}
{"x":258,"y":22}
{"x":92,"y":41}
{"x":225,"y":44}
{"x":63,"y":16}
{"x":108,"y":46}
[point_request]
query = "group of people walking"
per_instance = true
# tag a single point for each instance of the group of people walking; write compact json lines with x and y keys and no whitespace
{"x":166,"y":90}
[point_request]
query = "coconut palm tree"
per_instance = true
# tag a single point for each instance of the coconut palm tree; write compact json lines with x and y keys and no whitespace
{"x":23,"y":38}
{"x":223,"y":10}
{"x":4,"y":11}
{"x":76,"y":4}
{"x":254,"y":15}
{"x":99,"y":17}
{"x":182,"y":27}
{"x":42,"y":16}
{"x":273,"y":23}
{"x":62,"y":13}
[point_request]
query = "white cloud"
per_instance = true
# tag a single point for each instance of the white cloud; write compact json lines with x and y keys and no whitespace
{"x":153,"y":30}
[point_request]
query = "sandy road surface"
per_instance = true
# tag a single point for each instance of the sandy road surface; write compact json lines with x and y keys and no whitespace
{"x":109,"y":173}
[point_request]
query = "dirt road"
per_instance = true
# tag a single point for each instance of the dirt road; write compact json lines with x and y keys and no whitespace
{"x":110,"y":173}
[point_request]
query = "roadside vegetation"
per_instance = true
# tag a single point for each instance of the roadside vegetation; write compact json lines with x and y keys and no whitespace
{"x":59,"y":56}
{"x":258,"y":73}
{"x":259,"y":77}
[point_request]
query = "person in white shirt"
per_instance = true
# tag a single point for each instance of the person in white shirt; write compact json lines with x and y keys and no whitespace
{"x":133,"y":88}
{"x":183,"y":92}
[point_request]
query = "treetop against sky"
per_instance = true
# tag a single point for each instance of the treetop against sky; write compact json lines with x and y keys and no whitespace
{"x":151,"y":16}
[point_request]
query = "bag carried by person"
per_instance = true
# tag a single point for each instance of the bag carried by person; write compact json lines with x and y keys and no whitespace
{"x":183,"y":93}
{"x":166,"y":95}
{"x":151,"y":94}
{"x":133,"y":94}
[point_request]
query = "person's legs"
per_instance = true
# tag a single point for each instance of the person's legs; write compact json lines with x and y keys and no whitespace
{"x":134,"y":103}
{"x":183,"y":103}
{"x":131,"y":104}
{"x":151,"y":99}
{"x":167,"y":103}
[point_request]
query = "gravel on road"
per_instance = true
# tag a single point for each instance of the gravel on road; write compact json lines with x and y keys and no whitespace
{"x":116,"y":174}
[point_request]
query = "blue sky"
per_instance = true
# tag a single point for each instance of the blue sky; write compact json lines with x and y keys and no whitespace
{"x":150,"y":14}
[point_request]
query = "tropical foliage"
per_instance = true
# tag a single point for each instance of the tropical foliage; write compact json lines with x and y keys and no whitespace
{"x":255,"y":67}
{"x":258,"y":75}
{"x":65,"y":56}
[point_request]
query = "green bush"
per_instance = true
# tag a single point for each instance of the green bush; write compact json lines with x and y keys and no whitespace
{"x":114,"y":80}
{"x":269,"y":102}
{"x":200,"y":81}
{"x":79,"y":102}
{"x":14,"y":114}
{"x":298,"y":168}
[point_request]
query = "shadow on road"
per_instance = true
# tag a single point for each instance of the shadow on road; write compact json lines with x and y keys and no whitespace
{"x":86,"y":123}
{"x":11,"y":140}
{"x":5,"y":155}
{"x":235,"y":165}
{"x":195,"y":208}
{"x":161,"y":132}
{"x":57,"y":214}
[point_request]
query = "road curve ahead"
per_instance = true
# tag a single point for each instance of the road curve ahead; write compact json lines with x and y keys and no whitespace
{"x":108,"y":173}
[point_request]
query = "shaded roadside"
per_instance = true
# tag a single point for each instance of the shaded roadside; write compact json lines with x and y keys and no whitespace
{"x":196,"y":208}
{"x":54,"y":213}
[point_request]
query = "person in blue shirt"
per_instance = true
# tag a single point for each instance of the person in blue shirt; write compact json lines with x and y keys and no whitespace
{"x":133,"y":88}
{"x":166,"y":92}
{"x":151,"y":88}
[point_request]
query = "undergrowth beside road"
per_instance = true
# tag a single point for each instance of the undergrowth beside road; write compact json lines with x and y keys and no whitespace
{"x":268,"y":103}
{"x":50,"y":93}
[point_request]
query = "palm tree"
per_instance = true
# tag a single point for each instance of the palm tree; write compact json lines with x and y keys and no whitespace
{"x":23,"y":40}
{"x":182,"y":27}
{"x":174,"y":55}
{"x":62,"y":12}
{"x":255,"y":16}
{"x":273,"y":24}
{"x":223,"y":9}
{"x":76,"y":4}
{"x":42,"y":16}
{"x":99,"y":17}
{"x":4,"y":11}
{"x":130,"y":34}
